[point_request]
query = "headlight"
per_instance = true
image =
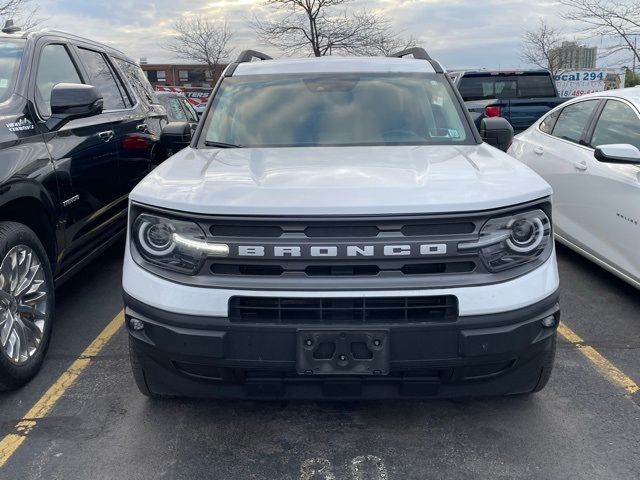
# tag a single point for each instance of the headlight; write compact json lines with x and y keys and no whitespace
{"x":173,"y":244}
{"x":511,"y":241}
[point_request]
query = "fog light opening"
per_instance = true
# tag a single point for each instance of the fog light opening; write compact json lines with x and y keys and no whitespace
{"x":136,"y":324}
{"x":549,"y":322}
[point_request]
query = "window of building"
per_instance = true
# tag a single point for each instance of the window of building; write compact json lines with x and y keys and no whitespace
{"x":162,"y":75}
{"x":183,"y":75}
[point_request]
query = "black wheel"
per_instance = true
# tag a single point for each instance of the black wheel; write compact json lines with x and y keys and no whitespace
{"x":547,"y":367}
{"x":26,"y":304}
{"x":138,"y":374}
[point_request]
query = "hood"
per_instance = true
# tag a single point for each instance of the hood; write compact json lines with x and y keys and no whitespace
{"x":340,"y":181}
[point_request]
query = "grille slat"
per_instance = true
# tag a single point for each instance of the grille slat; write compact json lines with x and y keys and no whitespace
{"x":365,"y":310}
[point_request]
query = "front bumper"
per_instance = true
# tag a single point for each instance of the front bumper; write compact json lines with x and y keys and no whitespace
{"x":200,"y":356}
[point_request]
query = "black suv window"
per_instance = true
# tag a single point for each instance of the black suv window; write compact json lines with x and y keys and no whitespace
{"x":55,"y":67}
{"x":137,"y":80}
{"x":103,"y":78}
{"x":618,"y":123}
{"x":573,"y":120}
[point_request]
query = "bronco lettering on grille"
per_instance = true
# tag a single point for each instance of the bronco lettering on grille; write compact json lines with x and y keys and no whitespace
{"x":333,"y":251}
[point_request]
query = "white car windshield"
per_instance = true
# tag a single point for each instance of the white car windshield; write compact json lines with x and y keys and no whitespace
{"x":336,"y":110}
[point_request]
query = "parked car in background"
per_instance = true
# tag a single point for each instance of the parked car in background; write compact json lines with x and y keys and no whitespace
{"x":178,"y":107}
{"x":338,"y":229}
{"x":588,"y":151}
{"x":78,"y":130}
{"x":521,"y":97}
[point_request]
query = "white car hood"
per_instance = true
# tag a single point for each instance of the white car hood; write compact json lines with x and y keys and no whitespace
{"x":339,"y":180}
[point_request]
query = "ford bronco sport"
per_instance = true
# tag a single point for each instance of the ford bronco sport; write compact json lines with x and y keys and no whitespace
{"x":339,"y":229}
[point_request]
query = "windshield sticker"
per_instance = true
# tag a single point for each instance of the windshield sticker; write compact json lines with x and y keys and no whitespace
{"x":20,"y":125}
{"x":4,"y":82}
{"x":444,"y":133}
{"x":453,"y":133}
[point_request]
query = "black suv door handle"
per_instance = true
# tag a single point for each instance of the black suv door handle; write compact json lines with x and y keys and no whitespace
{"x":106,"y":136}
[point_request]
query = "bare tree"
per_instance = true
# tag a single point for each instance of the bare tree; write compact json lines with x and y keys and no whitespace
{"x":539,"y":47}
{"x":618,"y":19}
{"x":24,"y":13}
{"x":315,"y":26}
{"x":201,"y":40}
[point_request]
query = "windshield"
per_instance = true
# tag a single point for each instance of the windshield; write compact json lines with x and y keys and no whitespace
{"x":488,"y":86}
{"x":336,"y":110}
{"x":10,"y":55}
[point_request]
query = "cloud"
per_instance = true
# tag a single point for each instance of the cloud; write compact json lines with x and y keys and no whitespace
{"x":458,"y":32}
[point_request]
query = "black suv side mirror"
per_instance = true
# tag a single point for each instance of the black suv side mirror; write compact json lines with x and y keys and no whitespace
{"x":618,"y":153}
{"x":175,"y":136}
{"x":73,"y":100}
{"x":497,"y":131}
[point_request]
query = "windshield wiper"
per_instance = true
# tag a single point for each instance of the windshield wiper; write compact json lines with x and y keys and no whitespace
{"x":221,"y":145}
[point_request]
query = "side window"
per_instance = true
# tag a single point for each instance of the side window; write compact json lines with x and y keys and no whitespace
{"x":547,"y":124}
{"x":618,"y":123}
{"x":192,"y":116}
{"x":176,"y":110}
{"x":573,"y":120}
{"x":137,"y":80}
{"x":55,"y":66}
{"x":102,"y":77}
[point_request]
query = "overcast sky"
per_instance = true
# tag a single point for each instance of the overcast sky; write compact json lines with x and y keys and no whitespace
{"x":460,"y":33}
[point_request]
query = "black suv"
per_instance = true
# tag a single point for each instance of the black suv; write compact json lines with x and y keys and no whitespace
{"x":79,"y":127}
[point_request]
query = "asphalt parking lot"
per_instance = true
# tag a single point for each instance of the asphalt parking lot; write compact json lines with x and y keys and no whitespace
{"x":584,"y":425}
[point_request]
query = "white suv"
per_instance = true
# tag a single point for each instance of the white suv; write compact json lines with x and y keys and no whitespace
{"x":338,"y":229}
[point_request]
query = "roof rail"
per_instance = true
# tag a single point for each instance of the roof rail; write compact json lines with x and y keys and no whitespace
{"x":248,"y":55}
{"x":418,"y":53}
{"x":10,"y":27}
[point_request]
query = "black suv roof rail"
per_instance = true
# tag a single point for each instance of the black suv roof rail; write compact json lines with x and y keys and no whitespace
{"x":245,"y":57}
{"x":248,"y":55}
{"x":419,"y":53}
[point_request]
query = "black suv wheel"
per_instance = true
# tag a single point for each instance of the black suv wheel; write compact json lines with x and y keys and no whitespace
{"x":26,"y":304}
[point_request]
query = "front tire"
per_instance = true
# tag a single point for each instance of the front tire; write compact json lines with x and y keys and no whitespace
{"x":26,"y":304}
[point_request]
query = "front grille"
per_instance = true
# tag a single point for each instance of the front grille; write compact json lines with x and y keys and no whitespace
{"x":350,"y":311}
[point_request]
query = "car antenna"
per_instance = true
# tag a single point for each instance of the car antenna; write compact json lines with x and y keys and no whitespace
{"x":10,"y":27}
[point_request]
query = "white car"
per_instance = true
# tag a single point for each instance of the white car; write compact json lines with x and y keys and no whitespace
{"x":587,"y":149}
{"x":339,"y":229}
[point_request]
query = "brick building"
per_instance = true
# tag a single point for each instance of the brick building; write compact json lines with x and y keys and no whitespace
{"x":183,"y":75}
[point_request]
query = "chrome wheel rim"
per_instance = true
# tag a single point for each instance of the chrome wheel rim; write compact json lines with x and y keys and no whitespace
{"x":23,"y":303}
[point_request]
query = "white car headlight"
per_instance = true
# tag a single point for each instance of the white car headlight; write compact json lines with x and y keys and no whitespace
{"x":173,"y":244}
{"x":512,"y":241}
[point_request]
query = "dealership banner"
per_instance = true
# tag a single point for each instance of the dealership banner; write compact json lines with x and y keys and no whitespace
{"x":196,"y":96}
{"x":573,"y":83}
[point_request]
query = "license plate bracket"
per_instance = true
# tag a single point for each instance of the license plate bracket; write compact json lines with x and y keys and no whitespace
{"x":343,"y":352}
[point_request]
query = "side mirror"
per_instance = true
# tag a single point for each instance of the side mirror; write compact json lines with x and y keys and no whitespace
{"x":497,"y":131}
{"x":70,"y":101}
{"x":175,"y":136}
{"x":618,"y":153}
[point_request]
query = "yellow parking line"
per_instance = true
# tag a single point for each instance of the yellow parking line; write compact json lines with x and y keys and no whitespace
{"x":10,"y":443}
{"x":604,"y":366}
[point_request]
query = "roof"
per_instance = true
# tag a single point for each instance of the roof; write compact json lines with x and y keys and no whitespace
{"x":71,"y":36}
{"x":631,"y":93}
{"x":334,"y":65}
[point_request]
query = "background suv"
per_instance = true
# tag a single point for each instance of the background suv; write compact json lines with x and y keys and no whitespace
{"x":79,"y":128}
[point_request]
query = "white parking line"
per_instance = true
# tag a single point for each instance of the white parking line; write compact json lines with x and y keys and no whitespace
{"x":368,"y":467}
{"x":316,"y":469}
